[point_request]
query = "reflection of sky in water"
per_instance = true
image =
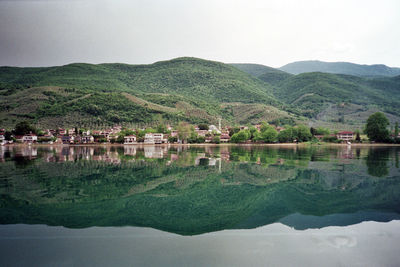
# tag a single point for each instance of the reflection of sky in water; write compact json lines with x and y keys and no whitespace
{"x":364,"y":244}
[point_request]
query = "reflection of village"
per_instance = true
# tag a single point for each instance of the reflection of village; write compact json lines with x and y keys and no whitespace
{"x":117,"y":154}
{"x":185,"y":155}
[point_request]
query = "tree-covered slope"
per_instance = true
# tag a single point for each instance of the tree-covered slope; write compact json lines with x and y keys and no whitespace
{"x":207,"y":80}
{"x":267,"y":74}
{"x":314,"y":93}
{"x":192,"y":90}
{"x":180,"y":89}
{"x":340,"y":67}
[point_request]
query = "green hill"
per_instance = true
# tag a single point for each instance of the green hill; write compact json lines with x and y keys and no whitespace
{"x":195,"y":78}
{"x":340,"y":68}
{"x":342,"y":99}
{"x":337,"y":101}
{"x":269,"y":75}
{"x":193,"y":90}
{"x":79,"y":94}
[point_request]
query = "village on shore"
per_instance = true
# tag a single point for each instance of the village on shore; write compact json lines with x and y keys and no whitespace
{"x":184,"y":133}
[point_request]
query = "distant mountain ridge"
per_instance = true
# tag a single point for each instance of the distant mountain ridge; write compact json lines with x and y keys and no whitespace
{"x":340,"y":68}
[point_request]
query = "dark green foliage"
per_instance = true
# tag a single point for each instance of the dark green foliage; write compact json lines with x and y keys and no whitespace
{"x":203,"y":126}
{"x":330,"y":139}
{"x":311,"y":93}
{"x":193,"y":87}
{"x":376,"y":127}
{"x":183,"y":89}
{"x":321,"y":131}
{"x":287,"y":136}
{"x":303,"y":133}
{"x":241,"y":136}
{"x":268,"y":134}
{"x":112,"y":108}
{"x":191,"y":77}
{"x":24,"y":127}
{"x":8,"y":135}
{"x":233,"y":130}
{"x":162,"y":128}
{"x":172,"y":139}
{"x":216,"y":139}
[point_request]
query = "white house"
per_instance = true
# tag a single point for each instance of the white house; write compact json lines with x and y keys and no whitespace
{"x":130,"y":139}
{"x":345,"y":136}
{"x":213,"y":128}
{"x":2,"y":140}
{"x":29,"y":138}
{"x":154,"y":138}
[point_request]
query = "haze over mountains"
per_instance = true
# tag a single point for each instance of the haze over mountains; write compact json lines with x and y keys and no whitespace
{"x":197,"y":90}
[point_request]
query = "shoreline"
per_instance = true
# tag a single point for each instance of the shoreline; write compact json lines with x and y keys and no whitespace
{"x":207,"y":145}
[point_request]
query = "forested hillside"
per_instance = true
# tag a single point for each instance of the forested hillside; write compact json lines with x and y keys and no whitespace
{"x":79,"y":94}
{"x":193,"y":90}
{"x":337,"y":101}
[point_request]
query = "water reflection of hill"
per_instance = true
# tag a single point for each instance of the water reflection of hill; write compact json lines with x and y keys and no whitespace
{"x":197,"y":190}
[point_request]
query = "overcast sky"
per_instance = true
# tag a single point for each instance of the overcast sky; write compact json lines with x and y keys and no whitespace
{"x":273,"y":33}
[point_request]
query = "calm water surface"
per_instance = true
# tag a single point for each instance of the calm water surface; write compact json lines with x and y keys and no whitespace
{"x":199,"y":206}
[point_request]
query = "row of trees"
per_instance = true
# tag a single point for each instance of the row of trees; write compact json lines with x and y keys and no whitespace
{"x":268,"y":134}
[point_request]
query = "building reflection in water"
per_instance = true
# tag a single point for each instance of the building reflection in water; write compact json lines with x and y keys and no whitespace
{"x":211,"y":155}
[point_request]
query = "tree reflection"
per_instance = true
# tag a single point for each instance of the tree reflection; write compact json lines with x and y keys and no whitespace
{"x":376,"y":161}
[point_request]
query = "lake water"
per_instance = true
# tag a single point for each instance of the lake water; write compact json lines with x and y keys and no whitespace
{"x":199,"y":206}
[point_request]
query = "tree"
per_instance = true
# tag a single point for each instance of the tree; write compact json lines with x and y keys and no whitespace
{"x":184,"y":131}
{"x":161,"y":128}
{"x":203,"y":126}
{"x":287,"y":135}
{"x":8,"y":135}
{"x":269,"y":135}
{"x":24,"y":127}
{"x":253,"y":132}
{"x":233,"y":130}
{"x":396,"y":130}
{"x":303,"y":133}
{"x":313,"y":131}
{"x":358,"y":138}
{"x":216,"y":139}
{"x":240,"y":137}
{"x":172,"y":139}
{"x":376,"y":127}
{"x":322,"y":131}
{"x":264,"y":126}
